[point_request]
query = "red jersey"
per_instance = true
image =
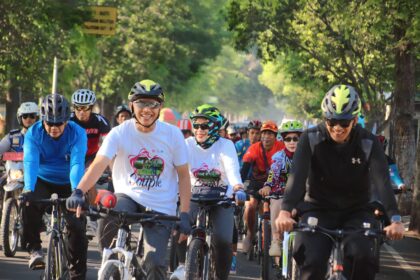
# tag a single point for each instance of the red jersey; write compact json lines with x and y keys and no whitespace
{"x":254,"y":155}
{"x":96,"y":127}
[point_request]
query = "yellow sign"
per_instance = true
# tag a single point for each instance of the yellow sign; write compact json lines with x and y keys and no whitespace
{"x":103,"y":21}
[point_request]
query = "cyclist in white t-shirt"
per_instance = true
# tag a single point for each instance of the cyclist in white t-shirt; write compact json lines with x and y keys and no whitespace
{"x":214,"y":171}
{"x":150,"y":167}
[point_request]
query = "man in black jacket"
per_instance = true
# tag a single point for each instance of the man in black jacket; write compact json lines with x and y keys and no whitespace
{"x":335,"y":165}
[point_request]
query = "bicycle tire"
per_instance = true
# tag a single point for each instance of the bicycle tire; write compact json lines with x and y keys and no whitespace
{"x":173,"y":257}
{"x":50,"y":264}
{"x":266,"y":259}
{"x":9,"y":236}
{"x":194,"y":264}
{"x":259,"y":250}
{"x":110,"y":272}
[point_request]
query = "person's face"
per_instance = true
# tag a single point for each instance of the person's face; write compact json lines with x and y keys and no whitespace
{"x":290,"y":141}
{"x":232,"y":136}
{"x":28,"y":119}
{"x":222,"y":133}
{"x":82,"y":112}
{"x":254,"y":135}
{"x":339,"y":130}
{"x":55,"y":130}
{"x":123,"y":116}
{"x":201,"y":129}
{"x":146,"y":110}
{"x":267,"y":139}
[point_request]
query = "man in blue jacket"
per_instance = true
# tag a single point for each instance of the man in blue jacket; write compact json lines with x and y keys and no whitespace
{"x":54,"y":162}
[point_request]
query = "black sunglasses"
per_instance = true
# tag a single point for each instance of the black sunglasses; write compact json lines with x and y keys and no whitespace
{"x":31,"y":116}
{"x":51,"y":124}
{"x":290,"y":139}
{"x":342,"y":123}
{"x":203,"y":126}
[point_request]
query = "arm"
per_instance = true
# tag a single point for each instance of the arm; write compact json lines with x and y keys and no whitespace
{"x":31,"y":155}
{"x":5,"y":144}
{"x":77,"y":158}
{"x":381,"y":180}
{"x":93,"y":173}
{"x":231,"y":166}
{"x":296,"y":182}
{"x":184,"y":187}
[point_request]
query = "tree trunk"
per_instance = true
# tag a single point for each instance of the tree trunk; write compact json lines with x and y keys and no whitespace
{"x":12,"y":104}
{"x":415,"y":210}
{"x":405,"y":148}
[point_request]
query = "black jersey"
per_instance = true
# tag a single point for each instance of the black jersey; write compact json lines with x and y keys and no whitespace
{"x":339,"y":176}
{"x":96,"y":127}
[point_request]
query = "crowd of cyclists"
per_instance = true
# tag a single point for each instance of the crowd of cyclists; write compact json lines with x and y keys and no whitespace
{"x":330,"y":171}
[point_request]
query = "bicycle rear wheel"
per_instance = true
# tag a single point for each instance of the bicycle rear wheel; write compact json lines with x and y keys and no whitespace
{"x":194,"y":264}
{"x":266,"y":259}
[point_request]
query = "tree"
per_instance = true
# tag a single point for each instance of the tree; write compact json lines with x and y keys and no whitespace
{"x":31,"y":36}
{"x":372,"y":45}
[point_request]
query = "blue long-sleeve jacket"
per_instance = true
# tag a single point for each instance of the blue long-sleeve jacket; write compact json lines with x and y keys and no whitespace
{"x":58,"y":161}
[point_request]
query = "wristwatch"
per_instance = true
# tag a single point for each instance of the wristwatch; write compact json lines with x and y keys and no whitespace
{"x":396,"y":219}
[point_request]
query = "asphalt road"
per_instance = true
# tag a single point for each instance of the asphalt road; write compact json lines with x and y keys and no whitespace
{"x":400,"y":261}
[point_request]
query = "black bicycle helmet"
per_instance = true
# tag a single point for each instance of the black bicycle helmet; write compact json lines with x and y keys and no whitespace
{"x":341,"y":102}
{"x":55,"y":109}
{"x":148,"y":89}
{"x":122,"y":108}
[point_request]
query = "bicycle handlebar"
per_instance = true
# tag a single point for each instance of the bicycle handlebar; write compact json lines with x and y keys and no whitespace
{"x":136,"y":217}
{"x":338,"y":233}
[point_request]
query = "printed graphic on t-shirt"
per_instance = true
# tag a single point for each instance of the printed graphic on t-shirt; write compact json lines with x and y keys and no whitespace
{"x":206,"y":176}
{"x":147,"y":171}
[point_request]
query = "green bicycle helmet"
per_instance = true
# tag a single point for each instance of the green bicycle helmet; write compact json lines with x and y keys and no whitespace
{"x":215,"y":122}
{"x":291,"y":127}
{"x":148,"y":89}
{"x":341,"y":102}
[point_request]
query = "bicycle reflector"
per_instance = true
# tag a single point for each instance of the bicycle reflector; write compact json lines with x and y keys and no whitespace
{"x":106,"y":199}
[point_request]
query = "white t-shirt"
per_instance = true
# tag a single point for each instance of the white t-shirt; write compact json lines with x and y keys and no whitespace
{"x":144,"y":167}
{"x":220,"y":158}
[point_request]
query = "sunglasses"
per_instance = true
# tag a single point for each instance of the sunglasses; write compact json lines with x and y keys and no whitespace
{"x":290,"y":139}
{"x":203,"y":126}
{"x":82,"y":108}
{"x":150,"y":105}
{"x":51,"y":124}
{"x":31,"y":116}
{"x":342,"y":123}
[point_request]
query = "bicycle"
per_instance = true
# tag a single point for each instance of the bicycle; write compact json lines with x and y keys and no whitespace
{"x":119,"y":262}
{"x":336,"y":261}
{"x":57,"y":264}
{"x":200,"y":263}
{"x":11,"y":219}
{"x":264,"y":237}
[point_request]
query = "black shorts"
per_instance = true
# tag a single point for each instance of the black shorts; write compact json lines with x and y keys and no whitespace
{"x":253,"y":188}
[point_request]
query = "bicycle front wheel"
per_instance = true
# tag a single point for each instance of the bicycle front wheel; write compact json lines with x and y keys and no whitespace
{"x":194,"y":264}
{"x":111,"y":272}
{"x":56,"y":265}
{"x":9,"y":230}
{"x":266,"y":260}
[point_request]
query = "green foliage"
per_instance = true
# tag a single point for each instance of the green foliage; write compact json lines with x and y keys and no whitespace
{"x":334,"y":41}
{"x":233,"y":79}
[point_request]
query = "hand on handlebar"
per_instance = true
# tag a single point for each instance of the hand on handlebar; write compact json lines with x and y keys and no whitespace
{"x":264,"y":191}
{"x":395,"y":231}
{"x":285,"y":221}
{"x":240,"y":196}
{"x":26,"y":196}
{"x":75,"y":201}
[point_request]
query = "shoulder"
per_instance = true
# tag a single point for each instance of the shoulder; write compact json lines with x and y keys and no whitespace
{"x":101,"y":119}
{"x":14,"y":132}
{"x":35,"y":130}
{"x":278,"y":155}
{"x":75,"y":128}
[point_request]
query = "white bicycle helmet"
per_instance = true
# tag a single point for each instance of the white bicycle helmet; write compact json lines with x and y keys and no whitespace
{"x":27,"y":108}
{"x":83,"y":97}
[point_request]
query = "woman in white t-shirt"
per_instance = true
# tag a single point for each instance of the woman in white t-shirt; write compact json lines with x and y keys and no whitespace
{"x":214,"y":172}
